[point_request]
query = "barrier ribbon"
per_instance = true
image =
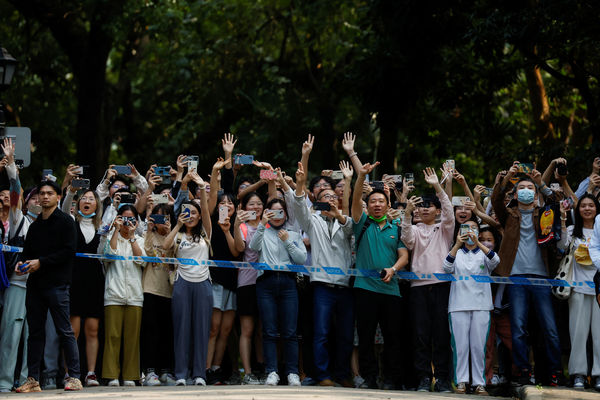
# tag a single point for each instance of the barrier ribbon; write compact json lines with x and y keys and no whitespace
{"x":307,"y":270}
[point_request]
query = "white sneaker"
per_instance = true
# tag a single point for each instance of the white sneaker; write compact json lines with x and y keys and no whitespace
{"x":128,"y":383}
{"x":180,"y":382}
{"x":167,"y":379}
{"x":272,"y":379}
{"x":113,"y":383}
{"x":579,"y":382}
{"x":293,"y":380}
{"x":152,"y":379}
{"x":199,"y":381}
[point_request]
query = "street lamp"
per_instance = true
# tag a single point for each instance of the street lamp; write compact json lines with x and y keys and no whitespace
{"x":8,"y":64}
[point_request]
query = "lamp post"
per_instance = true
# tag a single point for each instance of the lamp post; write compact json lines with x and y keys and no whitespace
{"x":8,"y":64}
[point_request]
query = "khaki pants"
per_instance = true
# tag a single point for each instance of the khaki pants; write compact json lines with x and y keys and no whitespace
{"x":122,"y":323}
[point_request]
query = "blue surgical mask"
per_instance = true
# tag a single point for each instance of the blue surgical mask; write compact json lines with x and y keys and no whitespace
{"x":92,"y":215}
{"x":525,"y":196}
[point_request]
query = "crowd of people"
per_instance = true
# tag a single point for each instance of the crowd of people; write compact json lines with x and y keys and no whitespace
{"x":161,"y":323}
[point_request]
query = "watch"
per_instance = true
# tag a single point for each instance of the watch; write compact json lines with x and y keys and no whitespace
{"x":132,"y":240}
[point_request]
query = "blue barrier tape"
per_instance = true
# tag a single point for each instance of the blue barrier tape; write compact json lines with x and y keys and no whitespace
{"x":306,"y":270}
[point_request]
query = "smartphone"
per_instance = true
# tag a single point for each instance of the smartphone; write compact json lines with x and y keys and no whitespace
{"x":192,"y":162}
{"x":23,"y":267}
{"x":122,"y":169}
{"x":80,"y":183}
{"x":268,"y":174}
{"x":51,"y":178}
{"x":186,"y":210}
{"x":35,"y":209}
{"x":555,"y":187}
{"x":377,"y":185}
{"x":251,"y":215}
{"x":464,"y":229}
{"x":223,"y":213}
{"x":82,"y":169}
{"x":487,"y":192}
{"x":162,"y":171}
{"x":459,"y":201}
{"x":321,"y":206}
{"x":127,"y":198}
{"x":161,"y":198}
{"x":562,"y":169}
{"x":524,"y":168}
{"x":568,"y":202}
{"x":278,"y":214}
{"x":46,"y":172}
{"x":410,"y":178}
{"x":158,"y":218}
{"x":451,"y":165}
{"x":337,"y":175}
{"x":244,"y":159}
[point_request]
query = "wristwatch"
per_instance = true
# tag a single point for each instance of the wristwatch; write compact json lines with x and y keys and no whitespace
{"x":132,"y":240}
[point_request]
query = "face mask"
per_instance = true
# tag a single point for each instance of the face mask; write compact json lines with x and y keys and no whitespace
{"x":525,"y":196}
{"x":470,"y":241}
{"x":489,"y":245}
{"x":86,"y":216}
{"x":32,"y":215}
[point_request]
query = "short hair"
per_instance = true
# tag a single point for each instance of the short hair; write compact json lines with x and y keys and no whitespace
{"x":316,"y":179}
{"x":374,"y":191}
{"x":526,"y":179}
{"x":53,"y":185}
{"x":433,"y":199}
{"x":278,"y":201}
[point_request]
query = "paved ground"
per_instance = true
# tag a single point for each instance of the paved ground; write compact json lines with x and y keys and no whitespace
{"x":234,"y":393}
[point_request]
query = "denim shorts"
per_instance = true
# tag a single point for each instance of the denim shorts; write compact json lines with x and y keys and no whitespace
{"x":223,"y":299}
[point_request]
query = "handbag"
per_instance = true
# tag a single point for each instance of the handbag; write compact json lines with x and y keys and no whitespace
{"x":565,"y":272}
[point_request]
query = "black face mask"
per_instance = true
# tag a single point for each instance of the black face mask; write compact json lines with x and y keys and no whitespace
{"x":277,"y":227}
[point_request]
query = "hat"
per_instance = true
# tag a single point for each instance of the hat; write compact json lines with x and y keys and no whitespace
{"x":31,"y":193}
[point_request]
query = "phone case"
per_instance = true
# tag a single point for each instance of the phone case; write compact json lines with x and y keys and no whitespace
{"x":223,"y":213}
{"x":122,"y":169}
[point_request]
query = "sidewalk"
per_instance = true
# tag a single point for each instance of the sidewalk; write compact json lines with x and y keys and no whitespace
{"x":233,"y":393}
{"x":547,"y":393}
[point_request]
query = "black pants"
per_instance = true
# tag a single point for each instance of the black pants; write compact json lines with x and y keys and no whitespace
{"x":431,"y":333}
{"x":38,"y":302}
{"x":372,"y":308}
{"x":157,"y":333}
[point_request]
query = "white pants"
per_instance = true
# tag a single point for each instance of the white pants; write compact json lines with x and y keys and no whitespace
{"x":470,"y":330}
{"x":584,"y":314}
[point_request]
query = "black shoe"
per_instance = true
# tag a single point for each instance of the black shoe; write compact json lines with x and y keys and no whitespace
{"x":424,"y":385}
{"x":213,"y":377}
{"x":443,"y":386}
{"x":525,"y":378}
{"x":557,"y":379}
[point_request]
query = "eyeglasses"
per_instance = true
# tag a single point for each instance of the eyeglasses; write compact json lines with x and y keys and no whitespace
{"x":120,"y":186}
{"x":242,"y":187}
{"x":87,"y":199}
{"x":329,"y":197}
{"x":322,"y":186}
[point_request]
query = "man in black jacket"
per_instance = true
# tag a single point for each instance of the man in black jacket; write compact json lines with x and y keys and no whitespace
{"x":48,"y":252}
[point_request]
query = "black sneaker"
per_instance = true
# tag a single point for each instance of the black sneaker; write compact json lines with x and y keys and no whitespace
{"x":443,"y":386}
{"x":525,"y":378}
{"x":424,"y":385}
{"x":557,"y":379}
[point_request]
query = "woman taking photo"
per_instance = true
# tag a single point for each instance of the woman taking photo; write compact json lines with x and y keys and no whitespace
{"x":192,"y":300}
{"x":87,"y":282}
{"x":276,"y":291}
{"x":123,"y":300}
{"x":584,"y":314}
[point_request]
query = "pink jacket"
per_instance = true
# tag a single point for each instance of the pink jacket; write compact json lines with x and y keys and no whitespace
{"x":429,"y":244}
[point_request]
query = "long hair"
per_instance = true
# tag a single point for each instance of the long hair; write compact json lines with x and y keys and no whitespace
{"x":578,"y":228}
{"x":96,"y":219}
{"x":495,"y":234}
{"x":197,"y":230}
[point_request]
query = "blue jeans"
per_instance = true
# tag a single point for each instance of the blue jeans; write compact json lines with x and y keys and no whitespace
{"x":521,"y":298}
{"x":278,"y":308}
{"x":327,"y":303}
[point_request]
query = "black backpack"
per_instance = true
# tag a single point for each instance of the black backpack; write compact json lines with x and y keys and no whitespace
{"x":10,"y":258}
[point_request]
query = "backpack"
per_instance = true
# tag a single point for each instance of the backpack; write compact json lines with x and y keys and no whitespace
{"x":10,"y":258}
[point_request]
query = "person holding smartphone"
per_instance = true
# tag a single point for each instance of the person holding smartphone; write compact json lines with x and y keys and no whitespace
{"x":246,"y":224}
{"x":123,"y":300}
{"x":192,"y":300}
{"x":276,"y":291}
{"x":87,"y":286}
{"x":157,"y":320}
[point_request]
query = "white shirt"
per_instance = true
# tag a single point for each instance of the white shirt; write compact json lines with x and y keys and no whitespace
{"x":581,"y":273}
{"x":469,"y":295}
{"x":196,"y":249}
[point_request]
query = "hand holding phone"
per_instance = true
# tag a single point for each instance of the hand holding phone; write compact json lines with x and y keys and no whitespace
{"x":223,"y":214}
{"x":122,"y":169}
{"x":243,"y":159}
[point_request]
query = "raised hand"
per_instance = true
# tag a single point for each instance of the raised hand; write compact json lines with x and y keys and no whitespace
{"x":430,"y":176}
{"x":262,"y":164}
{"x":181,"y":162}
{"x":307,"y":146}
{"x":367,"y":168}
{"x":300,"y":175}
{"x":228,"y":144}
{"x":346,"y":169}
{"x":8,"y":147}
{"x":348,"y":142}
{"x":220,"y":163}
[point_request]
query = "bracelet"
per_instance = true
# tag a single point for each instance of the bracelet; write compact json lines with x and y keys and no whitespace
{"x":563,"y":219}
{"x":353,"y":154}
